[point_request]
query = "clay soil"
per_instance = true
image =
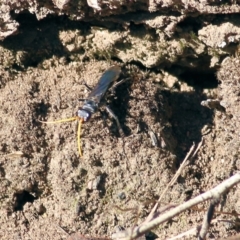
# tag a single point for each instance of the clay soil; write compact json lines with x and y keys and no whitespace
{"x":49,"y":192}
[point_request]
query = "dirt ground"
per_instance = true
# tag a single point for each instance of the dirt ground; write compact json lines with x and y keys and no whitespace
{"x":47,"y":191}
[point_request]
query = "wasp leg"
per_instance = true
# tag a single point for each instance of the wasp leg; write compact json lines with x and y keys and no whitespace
{"x":111,"y":113}
{"x":113,"y":88}
{"x":86,"y":85}
{"x":89,"y":89}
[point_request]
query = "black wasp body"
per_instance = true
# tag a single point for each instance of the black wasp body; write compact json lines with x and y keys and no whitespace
{"x":95,"y":98}
{"x":94,"y":101}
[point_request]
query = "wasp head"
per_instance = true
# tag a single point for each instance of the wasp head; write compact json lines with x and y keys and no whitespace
{"x":83,"y":114}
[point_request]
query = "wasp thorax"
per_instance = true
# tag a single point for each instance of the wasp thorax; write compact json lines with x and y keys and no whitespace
{"x":84,"y":114}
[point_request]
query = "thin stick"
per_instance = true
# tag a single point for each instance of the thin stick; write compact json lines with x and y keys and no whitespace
{"x":197,"y":228}
{"x":207,"y":219}
{"x":152,"y":213}
{"x":213,"y":193}
{"x":189,"y":232}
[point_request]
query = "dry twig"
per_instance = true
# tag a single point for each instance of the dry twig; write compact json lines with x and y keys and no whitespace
{"x":207,"y":219}
{"x":211,"y":194}
{"x":174,"y":179}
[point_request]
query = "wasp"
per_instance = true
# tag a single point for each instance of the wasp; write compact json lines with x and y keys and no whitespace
{"x":95,"y":100}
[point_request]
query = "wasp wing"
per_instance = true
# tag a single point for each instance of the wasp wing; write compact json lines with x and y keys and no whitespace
{"x":108,"y":77}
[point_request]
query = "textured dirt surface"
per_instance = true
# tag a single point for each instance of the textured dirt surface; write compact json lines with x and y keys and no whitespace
{"x":175,"y":55}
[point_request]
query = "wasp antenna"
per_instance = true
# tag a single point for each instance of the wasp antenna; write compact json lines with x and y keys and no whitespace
{"x":78,"y":137}
{"x":59,"y":121}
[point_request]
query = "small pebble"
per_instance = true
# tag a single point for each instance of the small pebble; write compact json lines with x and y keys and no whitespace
{"x":121,"y":195}
{"x":93,"y":184}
